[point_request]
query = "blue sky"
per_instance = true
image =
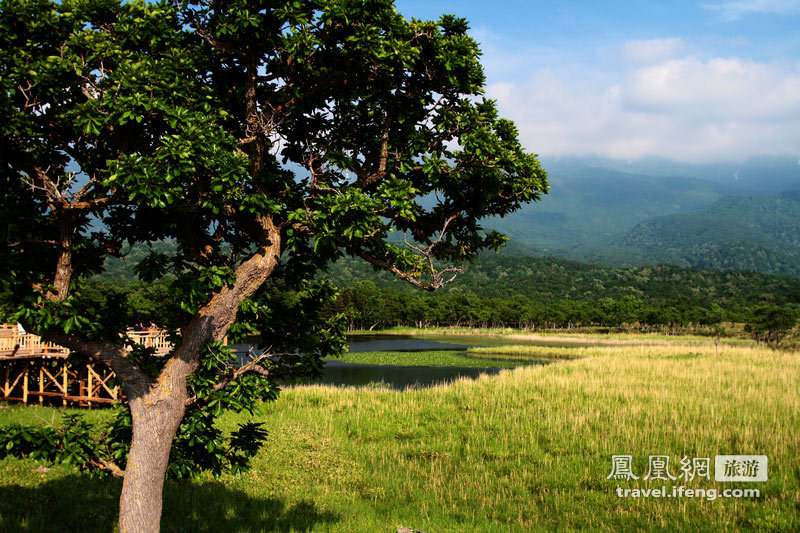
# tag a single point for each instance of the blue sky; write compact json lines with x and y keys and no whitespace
{"x":715,"y":80}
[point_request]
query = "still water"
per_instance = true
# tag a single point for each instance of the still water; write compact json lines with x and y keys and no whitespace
{"x":403,"y":343}
{"x":402,"y":377}
{"x":397,"y":377}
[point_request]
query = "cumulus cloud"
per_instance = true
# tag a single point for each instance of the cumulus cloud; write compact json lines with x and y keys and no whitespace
{"x":649,"y":50}
{"x":718,"y":89}
{"x":736,"y":9}
{"x":687,"y":109}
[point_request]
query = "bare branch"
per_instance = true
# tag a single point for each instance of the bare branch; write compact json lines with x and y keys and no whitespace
{"x":437,"y":279}
{"x":30,"y":100}
{"x":254,"y":366}
{"x":110,"y":466}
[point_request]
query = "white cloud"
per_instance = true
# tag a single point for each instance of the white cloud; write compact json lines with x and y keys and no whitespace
{"x":736,"y":9}
{"x":718,"y":89}
{"x":686,"y":109}
{"x":649,"y":50}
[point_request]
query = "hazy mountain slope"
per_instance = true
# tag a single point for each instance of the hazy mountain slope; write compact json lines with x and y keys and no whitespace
{"x":631,"y":213}
{"x":590,"y":207}
{"x":767,"y":174}
{"x":759,"y":233}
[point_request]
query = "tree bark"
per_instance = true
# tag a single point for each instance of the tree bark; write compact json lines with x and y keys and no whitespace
{"x":156,"y":417}
{"x":157,"y":411}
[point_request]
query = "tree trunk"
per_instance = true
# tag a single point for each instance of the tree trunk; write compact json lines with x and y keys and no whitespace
{"x":157,"y":408}
{"x":156,"y":417}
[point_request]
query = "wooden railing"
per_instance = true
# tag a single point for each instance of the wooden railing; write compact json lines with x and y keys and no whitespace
{"x":151,"y":338}
{"x":33,"y":370}
{"x":20,"y":344}
{"x":41,"y":380}
{"x":14,"y":343}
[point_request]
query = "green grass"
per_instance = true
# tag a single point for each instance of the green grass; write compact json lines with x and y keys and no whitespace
{"x":526,"y":353}
{"x":526,"y":450}
{"x":432,"y":358}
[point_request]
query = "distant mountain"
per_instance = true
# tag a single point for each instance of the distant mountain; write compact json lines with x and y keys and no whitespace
{"x":588,"y":208}
{"x":633,"y":213}
{"x":760,"y":233}
{"x":764,"y":174}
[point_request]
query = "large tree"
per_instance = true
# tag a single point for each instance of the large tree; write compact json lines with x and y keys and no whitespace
{"x":265,"y":138}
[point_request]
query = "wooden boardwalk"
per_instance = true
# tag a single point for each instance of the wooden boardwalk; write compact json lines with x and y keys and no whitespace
{"x":35,"y":371}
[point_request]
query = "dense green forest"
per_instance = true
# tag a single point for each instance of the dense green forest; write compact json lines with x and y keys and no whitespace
{"x":760,"y":233}
{"x":503,"y":291}
{"x":366,"y":306}
{"x":549,"y":279}
{"x":529,"y":292}
{"x":542,"y":279}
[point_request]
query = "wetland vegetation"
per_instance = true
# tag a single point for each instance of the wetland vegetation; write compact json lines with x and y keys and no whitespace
{"x":528,"y":448}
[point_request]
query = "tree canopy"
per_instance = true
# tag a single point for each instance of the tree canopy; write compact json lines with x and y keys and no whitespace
{"x":266,"y":139}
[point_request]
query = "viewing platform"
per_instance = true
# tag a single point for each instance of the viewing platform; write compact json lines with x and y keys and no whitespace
{"x":36,"y":371}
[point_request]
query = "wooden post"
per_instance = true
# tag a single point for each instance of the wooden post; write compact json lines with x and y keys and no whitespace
{"x":25,"y":384}
{"x":7,"y":386}
{"x":89,"y":382}
{"x":41,"y":381}
{"x":65,"y":381}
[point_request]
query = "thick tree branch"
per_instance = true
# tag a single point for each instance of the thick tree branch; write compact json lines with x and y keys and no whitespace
{"x":64,"y":268}
{"x":382,"y":157}
{"x":212,"y":321}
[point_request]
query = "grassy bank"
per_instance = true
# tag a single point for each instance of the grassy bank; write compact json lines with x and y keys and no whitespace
{"x":557,"y":336}
{"x":528,"y":449}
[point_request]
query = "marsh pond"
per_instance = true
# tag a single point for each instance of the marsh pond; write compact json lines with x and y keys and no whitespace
{"x":406,"y":361}
{"x":409,"y":361}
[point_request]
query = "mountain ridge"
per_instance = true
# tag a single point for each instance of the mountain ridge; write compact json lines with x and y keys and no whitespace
{"x":597,"y":213}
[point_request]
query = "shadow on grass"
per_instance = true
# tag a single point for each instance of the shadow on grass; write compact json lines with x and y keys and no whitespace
{"x":79,"y":503}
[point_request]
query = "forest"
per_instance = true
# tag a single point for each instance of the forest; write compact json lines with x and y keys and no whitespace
{"x":523,"y":292}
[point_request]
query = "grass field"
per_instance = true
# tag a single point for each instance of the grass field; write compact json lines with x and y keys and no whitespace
{"x":526,"y":450}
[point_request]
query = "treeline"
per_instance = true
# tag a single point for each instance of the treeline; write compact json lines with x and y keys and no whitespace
{"x":368,"y":307}
{"x":365,"y":305}
{"x":524,"y":292}
{"x":543,"y":279}
{"x":549,"y":279}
